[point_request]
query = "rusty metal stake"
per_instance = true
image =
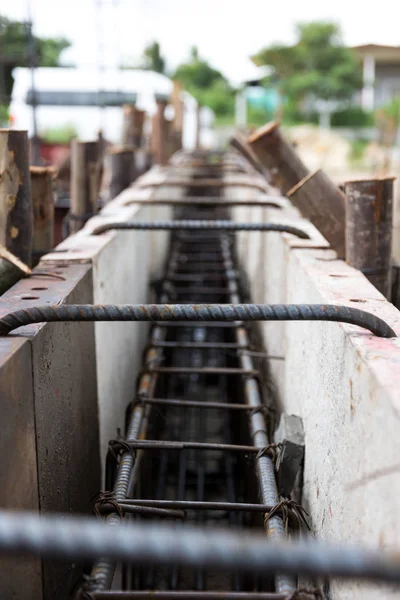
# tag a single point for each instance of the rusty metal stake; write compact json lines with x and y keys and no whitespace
{"x":369,"y":211}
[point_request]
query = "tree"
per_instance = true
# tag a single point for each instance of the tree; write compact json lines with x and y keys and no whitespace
{"x":15,"y":52}
{"x":318,"y":66}
{"x":206,"y":84}
{"x":153,"y":59}
{"x":197,"y":73}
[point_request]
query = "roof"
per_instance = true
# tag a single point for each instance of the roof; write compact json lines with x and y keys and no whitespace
{"x":380,"y":52}
{"x":141,"y":84}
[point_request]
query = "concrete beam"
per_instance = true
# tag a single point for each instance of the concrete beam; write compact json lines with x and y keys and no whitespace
{"x":343,"y":383}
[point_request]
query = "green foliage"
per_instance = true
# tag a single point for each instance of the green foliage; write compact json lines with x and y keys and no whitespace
{"x":197,"y":74}
{"x":153,"y":59}
{"x":258,"y":116}
{"x":391,"y":111}
{"x":14,"y":50}
{"x":357,"y":151}
{"x":353,"y":116}
{"x":60,"y":135}
{"x":219,"y":97}
{"x":317,"y":65}
{"x":49,"y":51}
{"x":207,"y":85}
{"x":4,"y":115}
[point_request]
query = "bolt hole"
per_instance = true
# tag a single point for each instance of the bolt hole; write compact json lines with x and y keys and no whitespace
{"x":336,"y":275}
{"x":39,"y":288}
{"x":29,"y":297}
{"x":58,"y":272}
{"x":356,"y":300}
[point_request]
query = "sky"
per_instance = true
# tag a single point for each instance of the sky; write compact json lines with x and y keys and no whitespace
{"x":226,"y":32}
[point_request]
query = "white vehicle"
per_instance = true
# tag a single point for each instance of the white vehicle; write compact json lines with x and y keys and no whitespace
{"x":88,"y":100}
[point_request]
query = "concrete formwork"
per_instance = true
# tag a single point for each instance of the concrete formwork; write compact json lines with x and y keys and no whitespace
{"x":65,"y":386}
{"x":49,"y":403}
{"x":123,"y":263}
{"x":342,"y":381}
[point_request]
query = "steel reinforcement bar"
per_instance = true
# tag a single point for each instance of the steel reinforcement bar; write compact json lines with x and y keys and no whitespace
{"x":200,"y":225}
{"x":162,"y":544}
{"x":196,"y":313}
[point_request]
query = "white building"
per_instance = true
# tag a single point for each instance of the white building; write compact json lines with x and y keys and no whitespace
{"x":88,"y":100}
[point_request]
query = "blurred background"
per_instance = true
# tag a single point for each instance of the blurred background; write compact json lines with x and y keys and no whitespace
{"x":329,"y":73}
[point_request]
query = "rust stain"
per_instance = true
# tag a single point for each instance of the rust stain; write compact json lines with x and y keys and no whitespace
{"x":11,"y":200}
{"x":351,"y":397}
{"x":378,"y":202}
{"x":14,"y":232}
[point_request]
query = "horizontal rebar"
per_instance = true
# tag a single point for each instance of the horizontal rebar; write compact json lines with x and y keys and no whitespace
{"x":206,"y":225}
{"x":203,"y":371}
{"x":216,"y":201}
{"x":188,"y":595}
{"x":196,"y":505}
{"x":167,"y":445}
{"x":195,"y":404}
{"x":198,"y":345}
{"x":69,"y":538}
{"x":196,"y":313}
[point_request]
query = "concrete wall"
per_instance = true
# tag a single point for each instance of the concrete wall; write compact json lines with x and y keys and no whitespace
{"x":65,"y":386}
{"x":342,"y":381}
{"x":123,"y":263}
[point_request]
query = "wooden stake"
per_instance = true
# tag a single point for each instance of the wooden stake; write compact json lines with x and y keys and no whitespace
{"x":42,"y":182}
{"x":314,"y":194}
{"x":86,"y":171}
{"x":369,"y":210}
{"x":16,"y":215}
{"x":123,"y":169}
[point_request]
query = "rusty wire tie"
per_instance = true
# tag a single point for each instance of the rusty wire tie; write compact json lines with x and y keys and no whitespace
{"x":291,"y":512}
{"x":273,"y":451}
{"x":109,"y":501}
{"x":119,"y":446}
{"x":106,"y":503}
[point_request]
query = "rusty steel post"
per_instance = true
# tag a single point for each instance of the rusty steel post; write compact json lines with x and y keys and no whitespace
{"x":132,"y":127}
{"x":158,"y":134}
{"x":16,"y":215}
{"x":369,"y":214}
{"x":86,"y":169}
{"x":42,"y":182}
{"x":314,"y":194}
{"x":277,"y":156}
{"x":123,"y":168}
{"x":240,"y":143}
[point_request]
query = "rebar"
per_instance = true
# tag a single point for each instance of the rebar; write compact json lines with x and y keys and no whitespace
{"x":160,"y":544}
{"x":196,"y":313}
{"x":205,"y":225}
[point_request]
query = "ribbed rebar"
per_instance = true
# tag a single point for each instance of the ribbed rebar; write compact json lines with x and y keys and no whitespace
{"x":202,"y":225}
{"x":196,"y":312}
{"x":65,"y":537}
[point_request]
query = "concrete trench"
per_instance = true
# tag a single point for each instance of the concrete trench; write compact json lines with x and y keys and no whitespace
{"x":67,"y":388}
